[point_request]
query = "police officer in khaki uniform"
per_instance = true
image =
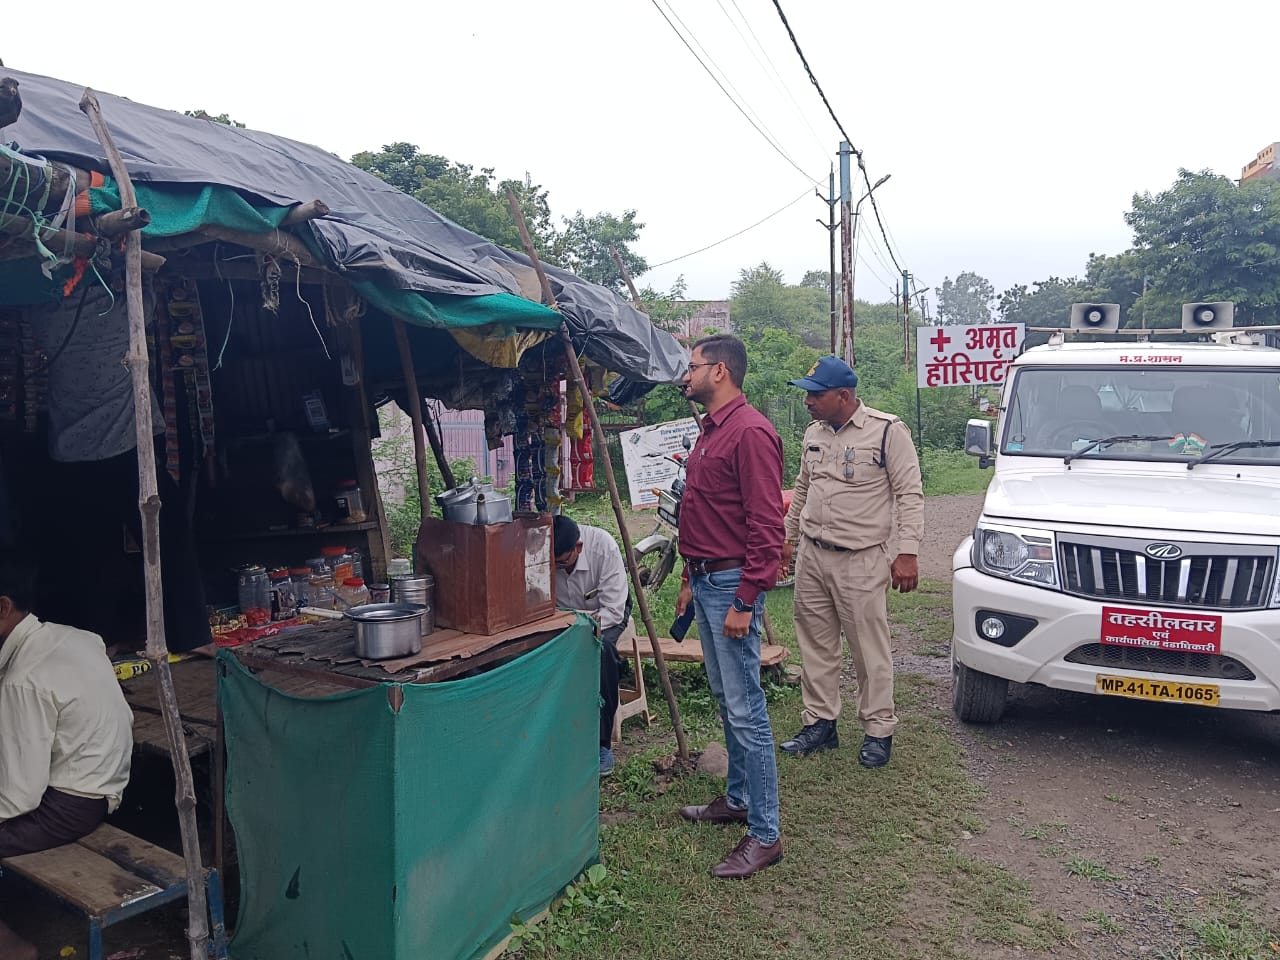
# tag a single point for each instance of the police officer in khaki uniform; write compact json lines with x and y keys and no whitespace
{"x":857,"y":466}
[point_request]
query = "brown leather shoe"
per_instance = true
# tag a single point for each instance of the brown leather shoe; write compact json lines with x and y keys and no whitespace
{"x":750,"y":856}
{"x":717,"y":811}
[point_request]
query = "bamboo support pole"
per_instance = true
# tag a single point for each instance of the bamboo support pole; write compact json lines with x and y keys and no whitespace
{"x":437,"y":447}
{"x":693,"y":408}
{"x":628,"y":553}
{"x":115,"y":222}
{"x":149,"y":505}
{"x":415,"y":416}
{"x":311,"y":210}
{"x":275,"y":244}
{"x":82,"y":244}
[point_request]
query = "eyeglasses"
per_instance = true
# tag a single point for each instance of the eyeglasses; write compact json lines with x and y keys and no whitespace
{"x":566,"y":559}
{"x":848,"y":463}
{"x":693,"y":366}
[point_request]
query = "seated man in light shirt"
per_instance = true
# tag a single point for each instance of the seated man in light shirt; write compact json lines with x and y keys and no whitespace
{"x":591,"y":577}
{"x":66,"y":733}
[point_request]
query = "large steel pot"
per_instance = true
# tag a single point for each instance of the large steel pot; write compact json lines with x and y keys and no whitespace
{"x":387,"y":630}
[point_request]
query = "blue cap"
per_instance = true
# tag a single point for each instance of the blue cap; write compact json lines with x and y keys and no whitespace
{"x":827,"y":374}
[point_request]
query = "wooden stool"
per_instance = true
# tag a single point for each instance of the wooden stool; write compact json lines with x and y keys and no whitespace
{"x":110,"y":876}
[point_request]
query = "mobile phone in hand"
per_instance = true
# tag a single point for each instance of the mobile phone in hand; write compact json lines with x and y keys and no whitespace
{"x":681,"y":625}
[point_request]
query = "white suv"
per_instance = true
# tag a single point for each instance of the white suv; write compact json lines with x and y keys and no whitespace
{"x":1129,"y":544}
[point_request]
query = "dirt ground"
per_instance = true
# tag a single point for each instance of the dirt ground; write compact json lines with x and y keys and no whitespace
{"x":1133,"y":814}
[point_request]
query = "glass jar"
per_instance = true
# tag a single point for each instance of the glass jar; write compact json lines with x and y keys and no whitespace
{"x":350,"y":502}
{"x":379,"y":593}
{"x":357,"y":561}
{"x":284,"y":601}
{"x":319,"y":566}
{"x":339,"y":563}
{"x":398,"y":567}
{"x":299,"y":576}
{"x":252,"y":591}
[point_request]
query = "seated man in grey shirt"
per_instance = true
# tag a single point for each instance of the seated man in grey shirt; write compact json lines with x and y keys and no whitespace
{"x":591,"y":576}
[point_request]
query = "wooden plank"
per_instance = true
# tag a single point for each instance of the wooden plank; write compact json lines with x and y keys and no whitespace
{"x":690,"y":651}
{"x":156,"y":864}
{"x":86,"y":880}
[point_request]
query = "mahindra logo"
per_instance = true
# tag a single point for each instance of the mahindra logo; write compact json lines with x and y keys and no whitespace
{"x":1163,"y":551}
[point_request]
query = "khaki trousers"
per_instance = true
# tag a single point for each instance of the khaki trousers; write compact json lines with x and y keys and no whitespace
{"x":845,"y":592}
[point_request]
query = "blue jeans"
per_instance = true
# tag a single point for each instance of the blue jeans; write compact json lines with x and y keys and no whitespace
{"x":733,"y":671}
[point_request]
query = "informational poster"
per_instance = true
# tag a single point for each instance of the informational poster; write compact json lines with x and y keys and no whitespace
{"x":962,"y":356}
{"x":645,"y":453}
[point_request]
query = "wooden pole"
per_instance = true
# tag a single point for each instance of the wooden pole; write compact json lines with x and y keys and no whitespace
{"x":437,"y":447}
{"x":149,"y":504}
{"x":693,"y":408}
{"x":311,"y":210}
{"x":628,"y":554}
{"x":415,"y":416}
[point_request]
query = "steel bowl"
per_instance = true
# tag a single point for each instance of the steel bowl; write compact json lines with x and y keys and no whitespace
{"x":387,"y":630}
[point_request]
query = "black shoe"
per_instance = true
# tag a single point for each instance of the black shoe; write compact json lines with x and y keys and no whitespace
{"x":875,"y":751}
{"x":813,"y":738}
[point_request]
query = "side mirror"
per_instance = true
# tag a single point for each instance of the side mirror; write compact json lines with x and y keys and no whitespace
{"x":687,"y":442}
{"x":978,"y":441}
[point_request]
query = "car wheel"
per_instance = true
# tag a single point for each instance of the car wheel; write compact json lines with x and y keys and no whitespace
{"x":977,"y":697}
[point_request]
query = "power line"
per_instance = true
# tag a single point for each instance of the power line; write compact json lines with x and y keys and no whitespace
{"x":782,"y":153}
{"x":778,"y":81}
{"x":685,"y":256}
{"x":876,"y":208}
{"x":814,"y":80}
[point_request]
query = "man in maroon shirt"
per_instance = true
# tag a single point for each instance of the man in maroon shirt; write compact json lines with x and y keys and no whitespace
{"x":731,"y":533}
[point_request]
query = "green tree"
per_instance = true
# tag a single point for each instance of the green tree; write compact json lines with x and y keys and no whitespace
{"x":966,"y":299}
{"x":1116,"y":279}
{"x":1046,"y":303}
{"x":220,"y":118}
{"x":471,"y":198}
{"x":1208,"y":238}
{"x":763,"y":301}
{"x":584,"y":245}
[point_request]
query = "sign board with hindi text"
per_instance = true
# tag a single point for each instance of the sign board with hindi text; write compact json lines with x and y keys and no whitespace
{"x":962,"y":356}
{"x":644,"y":455}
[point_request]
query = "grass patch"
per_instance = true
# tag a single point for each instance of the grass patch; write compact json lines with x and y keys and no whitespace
{"x":1090,"y":870}
{"x":1104,"y":922}
{"x":1228,"y":930}
{"x":952,"y":472}
{"x":926,"y":614}
{"x":875,"y":862}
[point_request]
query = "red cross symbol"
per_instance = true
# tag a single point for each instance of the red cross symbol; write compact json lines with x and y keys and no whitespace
{"x":940,"y":340}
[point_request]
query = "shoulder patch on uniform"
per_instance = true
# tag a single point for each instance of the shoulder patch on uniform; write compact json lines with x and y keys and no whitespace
{"x":881,"y":415}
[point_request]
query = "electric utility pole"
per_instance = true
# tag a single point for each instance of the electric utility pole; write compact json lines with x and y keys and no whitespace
{"x":906,"y":320}
{"x":846,"y":254}
{"x":830,"y":227}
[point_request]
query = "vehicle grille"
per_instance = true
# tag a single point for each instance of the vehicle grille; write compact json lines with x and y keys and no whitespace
{"x":1161,"y":661}
{"x":1109,"y":571}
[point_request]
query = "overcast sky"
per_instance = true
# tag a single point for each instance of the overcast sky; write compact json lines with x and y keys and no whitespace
{"x":1015,"y":133}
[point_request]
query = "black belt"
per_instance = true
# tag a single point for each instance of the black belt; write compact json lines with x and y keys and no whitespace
{"x":700,"y":568}
{"x":826,"y":546}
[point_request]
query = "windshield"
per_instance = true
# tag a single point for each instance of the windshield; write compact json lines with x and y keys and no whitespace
{"x":1143,"y":413}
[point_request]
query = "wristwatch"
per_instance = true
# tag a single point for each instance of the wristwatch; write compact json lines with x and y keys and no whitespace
{"x":741,"y":606}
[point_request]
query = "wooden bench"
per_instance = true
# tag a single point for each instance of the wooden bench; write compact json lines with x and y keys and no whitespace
{"x":689,"y":650}
{"x":110,"y":876}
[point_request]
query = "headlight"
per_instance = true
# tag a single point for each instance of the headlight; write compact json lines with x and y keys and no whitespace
{"x":1014,"y":554}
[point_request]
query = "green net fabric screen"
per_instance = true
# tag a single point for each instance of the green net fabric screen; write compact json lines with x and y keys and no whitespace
{"x":366,"y":834}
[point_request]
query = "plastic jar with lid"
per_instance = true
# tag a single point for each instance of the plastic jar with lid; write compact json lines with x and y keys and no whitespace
{"x":252,"y":592}
{"x":350,"y":502}
{"x":353,"y":591}
{"x":284,"y":600}
{"x":319,"y":566}
{"x":320,"y":590}
{"x":339,"y":563}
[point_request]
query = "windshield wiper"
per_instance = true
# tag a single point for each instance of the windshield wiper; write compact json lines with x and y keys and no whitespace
{"x":1108,"y":441}
{"x":1221,"y":449}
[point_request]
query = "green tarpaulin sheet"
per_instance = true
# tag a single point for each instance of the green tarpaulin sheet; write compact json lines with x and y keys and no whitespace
{"x":369,"y":834}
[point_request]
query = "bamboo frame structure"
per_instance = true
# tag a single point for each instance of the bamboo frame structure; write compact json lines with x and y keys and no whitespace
{"x":628,"y":554}
{"x":149,"y":505}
